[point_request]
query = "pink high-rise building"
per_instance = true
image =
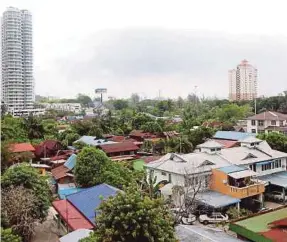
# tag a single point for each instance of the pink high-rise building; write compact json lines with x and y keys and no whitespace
{"x":242,"y":82}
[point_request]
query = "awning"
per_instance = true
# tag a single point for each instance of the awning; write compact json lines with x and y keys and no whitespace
{"x":242,"y":174}
{"x":216,"y":199}
{"x":278,"y":179}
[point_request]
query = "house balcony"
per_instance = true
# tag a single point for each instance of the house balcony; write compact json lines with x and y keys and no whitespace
{"x":247,"y":191}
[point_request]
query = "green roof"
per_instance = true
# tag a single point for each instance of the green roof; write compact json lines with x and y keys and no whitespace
{"x":138,"y":165}
{"x":260,"y":223}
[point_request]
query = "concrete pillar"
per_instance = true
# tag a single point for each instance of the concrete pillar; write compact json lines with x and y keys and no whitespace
{"x":261,"y":199}
{"x":284,"y":193}
{"x":238,"y":207}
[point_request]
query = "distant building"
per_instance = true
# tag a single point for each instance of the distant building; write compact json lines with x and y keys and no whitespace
{"x":266,"y":122}
{"x":69,"y":107}
{"x":242,"y":82}
{"x":17,"y":59}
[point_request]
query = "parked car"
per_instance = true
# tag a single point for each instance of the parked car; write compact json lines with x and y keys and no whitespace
{"x":275,"y":195}
{"x":213,"y":218}
{"x":182,"y":216}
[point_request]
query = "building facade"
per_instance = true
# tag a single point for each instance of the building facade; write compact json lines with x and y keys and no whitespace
{"x":17,"y":59}
{"x":243,"y":82}
{"x":266,"y":122}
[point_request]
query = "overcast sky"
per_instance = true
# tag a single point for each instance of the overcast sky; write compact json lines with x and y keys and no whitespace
{"x":150,"y":45}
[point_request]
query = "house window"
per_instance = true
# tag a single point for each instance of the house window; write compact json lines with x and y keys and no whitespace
{"x":281,"y":123}
{"x":169,"y":178}
{"x":253,"y":122}
{"x":277,"y":164}
{"x":273,"y":122}
{"x":266,"y":167}
{"x":212,"y":149}
{"x":163,"y":173}
{"x":253,"y":130}
{"x":260,"y":122}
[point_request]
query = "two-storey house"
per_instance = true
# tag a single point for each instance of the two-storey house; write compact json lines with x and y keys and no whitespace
{"x":265,"y":122}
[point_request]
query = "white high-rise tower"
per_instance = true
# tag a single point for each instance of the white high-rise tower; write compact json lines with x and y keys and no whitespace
{"x":243,"y":82}
{"x":17,"y":59}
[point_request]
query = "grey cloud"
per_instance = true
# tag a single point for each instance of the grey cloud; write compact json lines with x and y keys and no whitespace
{"x":206,"y":56}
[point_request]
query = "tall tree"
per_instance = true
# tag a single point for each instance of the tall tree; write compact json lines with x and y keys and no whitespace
{"x":28,"y":177}
{"x":133,"y":217}
{"x":18,"y":209}
{"x":34,"y":127}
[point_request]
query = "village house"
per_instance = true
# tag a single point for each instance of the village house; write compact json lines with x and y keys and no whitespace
{"x":240,"y":172}
{"x":78,"y":210}
{"x":266,"y":122}
{"x":119,"y":149}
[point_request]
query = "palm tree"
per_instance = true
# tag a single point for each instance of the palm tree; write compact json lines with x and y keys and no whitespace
{"x":34,"y":127}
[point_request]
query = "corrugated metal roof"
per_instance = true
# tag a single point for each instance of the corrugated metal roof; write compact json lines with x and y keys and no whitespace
{"x":216,"y":199}
{"x":76,"y":235}
{"x":21,"y":147}
{"x":232,"y":135}
{"x":88,"y":201}
{"x":92,"y":140}
{"x":71,"y":215}
{"x":233,"y":168}
{"x":71,"y":162}
{"x":242,"y":174}
{"x":119,"y":147}
{"x":64,"y":192}
{"x":279,"y":178}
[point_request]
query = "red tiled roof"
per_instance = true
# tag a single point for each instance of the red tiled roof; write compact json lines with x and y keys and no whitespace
{"x":59,"y":157}
{"x":269,"y":115}
{"x":71,"y":215}
{"x":226,"y":143}
{"x":148,"y":159}
{"x":59,"y":172}
{"x":277,"y":231}
{"x":119,"y":147}
{"x":21,"y":147}
{"x":117,"y":138}
{"x":142,"y":134}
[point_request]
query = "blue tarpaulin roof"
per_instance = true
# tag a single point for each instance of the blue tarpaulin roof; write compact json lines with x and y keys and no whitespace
{"x":232,"y":135}
{"x":88,"y":201}
{"x":278,"y":179}
{"x":216,"y":199}
{"x":71,"y":162}
{"x":63,"y":193}
{"x":233,"y":168}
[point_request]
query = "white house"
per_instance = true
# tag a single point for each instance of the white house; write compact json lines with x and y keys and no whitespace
{"x":267,"y":122}
{"x":255,"y":154}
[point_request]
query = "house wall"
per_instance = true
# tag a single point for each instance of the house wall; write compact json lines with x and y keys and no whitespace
{"x":266,"y":123}
{"x":220,"y":183}
{"x":66,"y":180}
{"x":176,"y":179}
{"x":275,"y":170}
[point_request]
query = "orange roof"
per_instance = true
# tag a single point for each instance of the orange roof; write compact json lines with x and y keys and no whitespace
{"x":21,"y":147}
{"x":226,"y":143}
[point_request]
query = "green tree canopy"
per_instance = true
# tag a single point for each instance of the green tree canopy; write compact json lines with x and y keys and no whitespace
{"x":275,"y":140}
{"x":7,"y":235}
{"x":133,"y":217}
{"x":89,"y":167}
{"x":28,"y":177}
